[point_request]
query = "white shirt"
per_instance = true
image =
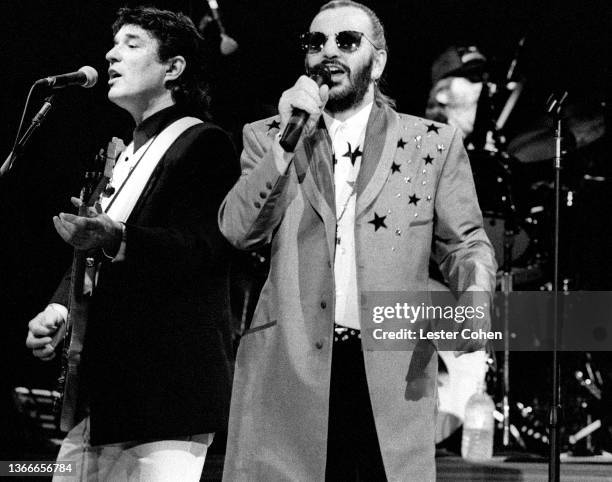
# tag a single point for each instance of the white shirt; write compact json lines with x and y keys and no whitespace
{"x":122,"y":172}
{"x":347,"y":143}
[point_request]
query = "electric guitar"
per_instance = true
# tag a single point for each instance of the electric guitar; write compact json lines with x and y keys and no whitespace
{"x":72,"y":332}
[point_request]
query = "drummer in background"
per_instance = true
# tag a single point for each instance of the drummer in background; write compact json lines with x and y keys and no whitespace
{"x":457,"y":79}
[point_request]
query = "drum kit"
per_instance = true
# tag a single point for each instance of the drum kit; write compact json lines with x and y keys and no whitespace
{"x":514,"y":184}
{"x":515,"y":191}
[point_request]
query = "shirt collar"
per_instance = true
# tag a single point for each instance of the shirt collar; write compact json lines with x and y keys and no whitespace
{"x":153,"y":125}
{"x":356,"y":123}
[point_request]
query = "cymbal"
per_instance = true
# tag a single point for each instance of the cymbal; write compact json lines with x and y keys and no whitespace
{"x":584,"y":121}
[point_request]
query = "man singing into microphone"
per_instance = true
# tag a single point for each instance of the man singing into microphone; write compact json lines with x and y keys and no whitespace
{"x":154,"y":366}
{"x":363,"y":202}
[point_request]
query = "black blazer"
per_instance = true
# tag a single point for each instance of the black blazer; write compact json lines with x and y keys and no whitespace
{"x":155,"y":357}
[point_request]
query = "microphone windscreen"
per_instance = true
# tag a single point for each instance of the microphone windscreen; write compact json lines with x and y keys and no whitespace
{"x":321,"y":75}
{"x":91,"y":74}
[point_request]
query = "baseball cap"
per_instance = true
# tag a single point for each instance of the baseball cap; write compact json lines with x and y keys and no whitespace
{"x":458,"y":61}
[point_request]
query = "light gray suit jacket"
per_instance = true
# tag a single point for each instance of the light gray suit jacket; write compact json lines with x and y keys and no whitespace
{"x":279,"y":411}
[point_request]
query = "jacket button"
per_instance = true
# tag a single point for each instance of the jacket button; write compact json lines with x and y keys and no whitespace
{"x":329,"y":264}
{"x":257,"y":204}
{"x":269,"y":185}
{"x":323,"y":304}
{"x":319,"y":344}
{"x":262,"y":195}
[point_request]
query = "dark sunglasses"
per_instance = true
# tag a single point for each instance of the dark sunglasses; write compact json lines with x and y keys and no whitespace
{"x":347,"y":41}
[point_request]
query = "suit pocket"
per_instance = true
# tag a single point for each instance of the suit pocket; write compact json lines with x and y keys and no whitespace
{"x":259,"y":328}
{"x":420,"y":222}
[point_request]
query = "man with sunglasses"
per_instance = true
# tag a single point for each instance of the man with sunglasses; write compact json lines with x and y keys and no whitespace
{"x":363,"y":202}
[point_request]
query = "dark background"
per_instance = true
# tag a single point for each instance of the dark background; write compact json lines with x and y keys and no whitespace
{"x":567,"y":47}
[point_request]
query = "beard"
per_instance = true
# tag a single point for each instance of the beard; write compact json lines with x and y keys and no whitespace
{"x":353,"y":94}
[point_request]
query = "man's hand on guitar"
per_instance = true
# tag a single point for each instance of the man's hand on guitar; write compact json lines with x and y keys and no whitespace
{"x":41,"y":330}
{"x":95,"y":230}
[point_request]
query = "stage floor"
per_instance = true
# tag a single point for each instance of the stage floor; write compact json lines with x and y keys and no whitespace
{"x":450,"y":468}
{"x":453,"y":469}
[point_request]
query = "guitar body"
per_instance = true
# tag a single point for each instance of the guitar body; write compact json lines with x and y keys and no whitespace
{"x":72,"y":411}
{"x":72,"y":406}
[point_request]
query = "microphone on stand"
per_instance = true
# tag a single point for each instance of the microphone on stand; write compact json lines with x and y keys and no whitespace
{"x":228,"y":45}
{"x":84,"y":77}
{"x":321,"y":75}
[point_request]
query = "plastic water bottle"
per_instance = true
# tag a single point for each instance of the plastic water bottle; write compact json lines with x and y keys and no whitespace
{"x":478,"y":427}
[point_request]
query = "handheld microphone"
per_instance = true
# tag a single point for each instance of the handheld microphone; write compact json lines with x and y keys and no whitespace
{"x":291,"y":135}
{"x":84,"y":77}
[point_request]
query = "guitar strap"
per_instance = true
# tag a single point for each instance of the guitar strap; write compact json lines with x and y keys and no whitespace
{"x":120,"y":206}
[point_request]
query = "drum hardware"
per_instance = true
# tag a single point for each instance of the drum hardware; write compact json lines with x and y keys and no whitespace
{"x":512,"y":429}
{"x":511,"y":224}
{"x":488,"y":140}
{"x":592,"y":381}
{"x":554,"y":106}
{"x":586,"y":432}
{"x":532,"y":432}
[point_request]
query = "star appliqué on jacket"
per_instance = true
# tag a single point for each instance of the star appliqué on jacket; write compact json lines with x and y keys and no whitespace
{"x":378,"y":222}
{"x":395,"y":168}
{"x":432,"y":128}
{"x":352,"y":155}
{"x":428,"y":159}
{"x":274,"y":124}
{"x":413,"y":199}
{"x":401,"y":143}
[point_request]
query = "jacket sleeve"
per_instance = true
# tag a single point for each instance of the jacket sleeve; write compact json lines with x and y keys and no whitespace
{"x":62,"y":292}
{"x":461,"y":246}
{"x":256,"y":204}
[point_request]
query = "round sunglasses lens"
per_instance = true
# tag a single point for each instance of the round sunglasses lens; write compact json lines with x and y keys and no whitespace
{"x":313,"y":42}
{"x":348,"y":41}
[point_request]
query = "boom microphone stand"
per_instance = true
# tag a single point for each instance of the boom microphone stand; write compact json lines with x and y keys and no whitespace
{"x":36,"y":121}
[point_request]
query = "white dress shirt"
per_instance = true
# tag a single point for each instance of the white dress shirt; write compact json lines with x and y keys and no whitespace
{"x":347,"y":142}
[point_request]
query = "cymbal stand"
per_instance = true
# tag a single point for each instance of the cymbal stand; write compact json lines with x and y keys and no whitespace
{"x":554,"y":107}
{"x":510,"y":230}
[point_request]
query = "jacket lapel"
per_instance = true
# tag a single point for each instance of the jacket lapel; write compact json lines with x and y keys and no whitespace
{"x":312,"y":162}
{"x":379,"y":151}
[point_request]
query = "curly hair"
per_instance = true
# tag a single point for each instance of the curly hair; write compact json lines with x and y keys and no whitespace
{"x":176,"y":35}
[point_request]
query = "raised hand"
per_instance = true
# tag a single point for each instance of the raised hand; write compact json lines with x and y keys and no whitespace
{"x":96,"y":230}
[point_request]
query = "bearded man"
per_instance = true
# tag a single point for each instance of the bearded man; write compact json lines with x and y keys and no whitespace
{"x":363,"y":202}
